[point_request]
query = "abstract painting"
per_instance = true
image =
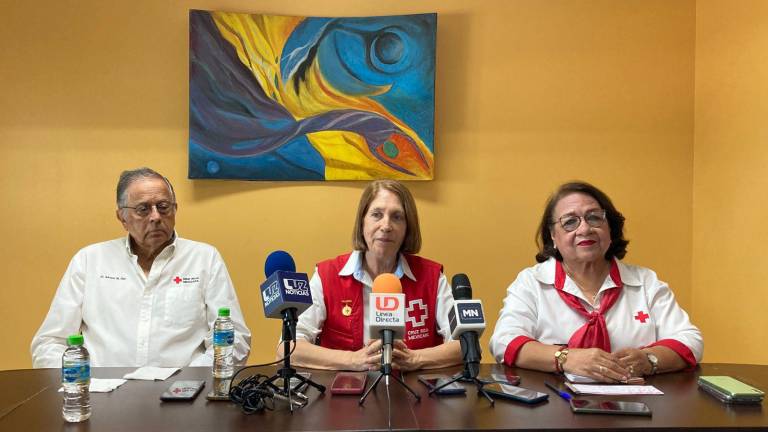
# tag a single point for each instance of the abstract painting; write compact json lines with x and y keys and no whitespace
{"x":305,"y":98}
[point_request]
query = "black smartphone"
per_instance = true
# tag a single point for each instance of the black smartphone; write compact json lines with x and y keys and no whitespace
{"x":515,"y":393}
{"x":610,"y":407}
{"x":437,"y":380}
{"x":349,"y":383}
{"x":182,"y":391}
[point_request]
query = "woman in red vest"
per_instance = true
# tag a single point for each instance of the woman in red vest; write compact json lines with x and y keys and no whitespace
{"x":584,"y":312}
{"x":333,"y":332}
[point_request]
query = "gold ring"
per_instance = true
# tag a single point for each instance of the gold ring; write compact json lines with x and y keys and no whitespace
{"x":602,"y":369}
{"x":631,"y":369}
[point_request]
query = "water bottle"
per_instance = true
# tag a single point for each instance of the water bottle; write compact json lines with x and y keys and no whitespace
{"x":223,"y":345}
{"x":75,"y":378}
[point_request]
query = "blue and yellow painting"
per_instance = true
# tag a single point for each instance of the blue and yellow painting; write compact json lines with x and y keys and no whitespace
{"x":302,"y":98}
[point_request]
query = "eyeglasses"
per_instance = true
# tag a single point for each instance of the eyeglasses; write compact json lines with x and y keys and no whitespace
{"x":143,"y":210}
{"x":570,"y":222}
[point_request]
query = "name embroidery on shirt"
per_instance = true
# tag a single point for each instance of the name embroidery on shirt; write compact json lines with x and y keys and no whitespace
{"x":178,"y":280}
{"x":110,"y":277}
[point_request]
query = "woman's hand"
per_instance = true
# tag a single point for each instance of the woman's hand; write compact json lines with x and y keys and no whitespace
{"x":596,"y":364}
{"x":634,"y":360}
{"x":366,"y":358}
{"x":404,"y":358}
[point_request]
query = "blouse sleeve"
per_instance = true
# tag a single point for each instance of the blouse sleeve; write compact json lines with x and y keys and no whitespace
{"x":311,"y":321}
{"x":673,"y":327}
{"x":517,"y":320}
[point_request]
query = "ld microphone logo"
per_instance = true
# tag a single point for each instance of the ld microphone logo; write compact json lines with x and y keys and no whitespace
{"x":387,"y":303}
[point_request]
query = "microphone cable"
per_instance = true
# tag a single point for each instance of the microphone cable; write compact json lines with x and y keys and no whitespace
{"x":252,"y":393}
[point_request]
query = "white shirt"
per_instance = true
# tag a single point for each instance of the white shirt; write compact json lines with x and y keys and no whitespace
{"x":131,"y":319}
{"x":645,"y":312}
{"x":311,"y":321}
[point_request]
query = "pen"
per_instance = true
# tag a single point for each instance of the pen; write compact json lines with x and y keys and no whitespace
{"x":565,"y":395}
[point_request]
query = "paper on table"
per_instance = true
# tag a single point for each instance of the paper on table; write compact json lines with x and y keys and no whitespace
{"x":151,"y":373}
{"x":581,"y":379}
{"x":598,"y":389}
{"x":100,"y":385}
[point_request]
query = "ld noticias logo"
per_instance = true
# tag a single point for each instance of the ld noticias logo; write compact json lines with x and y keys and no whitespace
{"x":387,"y":303}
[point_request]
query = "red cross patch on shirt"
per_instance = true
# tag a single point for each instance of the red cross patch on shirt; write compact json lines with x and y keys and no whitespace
{"x":416,"y":313}
{"x":642,"y":316}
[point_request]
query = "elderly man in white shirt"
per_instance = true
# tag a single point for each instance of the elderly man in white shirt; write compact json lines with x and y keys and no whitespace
{"x":147,"y":299}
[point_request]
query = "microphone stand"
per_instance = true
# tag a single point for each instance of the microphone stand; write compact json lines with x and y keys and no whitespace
{"x":471,"y":369}
{"x":287,"y":372}
{"x":386,"y":368}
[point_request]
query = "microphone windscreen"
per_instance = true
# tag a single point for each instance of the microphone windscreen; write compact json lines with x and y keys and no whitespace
{"x":279,"y":260}
{"x":462,"y":290}
{"x":387,"y":283}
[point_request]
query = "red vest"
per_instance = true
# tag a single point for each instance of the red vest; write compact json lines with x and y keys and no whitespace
{"x":346,"y":332}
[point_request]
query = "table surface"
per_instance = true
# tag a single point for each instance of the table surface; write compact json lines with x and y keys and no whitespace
{"x":30,"y":402}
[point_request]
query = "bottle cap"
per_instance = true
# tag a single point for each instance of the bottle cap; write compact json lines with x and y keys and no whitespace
{"x":224,"y":312}
{"x":75,"y":339}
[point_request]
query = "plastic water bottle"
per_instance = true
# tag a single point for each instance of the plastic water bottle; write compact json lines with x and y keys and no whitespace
{"x":75,"y":378}
{"x":223,"y":345}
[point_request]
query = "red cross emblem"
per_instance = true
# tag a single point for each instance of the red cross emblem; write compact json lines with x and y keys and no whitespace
{"x":642,"y":316}
{"x":416,"y":313}
{"x":177,"y":280}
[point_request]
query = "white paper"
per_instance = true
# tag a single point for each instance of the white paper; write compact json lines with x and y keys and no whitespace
{"x":579,"y":379}
{"x":614,"y":390}
{"x":151,"y":373}
{"x":100,"y":385}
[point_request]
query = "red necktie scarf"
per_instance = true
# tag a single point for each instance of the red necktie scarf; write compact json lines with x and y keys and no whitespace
{"x":593,"y":334}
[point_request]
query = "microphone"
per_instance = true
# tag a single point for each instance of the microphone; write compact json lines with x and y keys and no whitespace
{"x":386,"y":315}
{"x":285,"y":293}
{"x":467,"y":323}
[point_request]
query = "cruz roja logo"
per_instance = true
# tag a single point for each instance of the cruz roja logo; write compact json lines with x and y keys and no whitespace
{"x":296,"y":287}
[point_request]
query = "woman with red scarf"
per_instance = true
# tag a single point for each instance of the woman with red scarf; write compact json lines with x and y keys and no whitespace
{"x":583,"y":311}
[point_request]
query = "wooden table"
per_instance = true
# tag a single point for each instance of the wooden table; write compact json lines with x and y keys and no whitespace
{"x":29,"y":401}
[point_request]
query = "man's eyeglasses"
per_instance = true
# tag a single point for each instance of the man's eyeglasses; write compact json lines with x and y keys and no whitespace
{"x":570,"y":222}
{"x":143,"y":210}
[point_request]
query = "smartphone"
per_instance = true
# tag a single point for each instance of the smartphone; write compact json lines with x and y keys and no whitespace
{"x":182,"y":391}
{"x":730,"y":390}
{"x":515,"y":393}
{"x":436,"y":380}
{"x":349,"y":383}
{"x":610,"y":407}
{"x":500,"y":378}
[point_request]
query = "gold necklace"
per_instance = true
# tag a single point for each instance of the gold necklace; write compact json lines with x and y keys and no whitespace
{"x":568,"y":272}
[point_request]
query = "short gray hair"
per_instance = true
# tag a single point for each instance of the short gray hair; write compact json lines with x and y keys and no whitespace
{"x":130,"y":176}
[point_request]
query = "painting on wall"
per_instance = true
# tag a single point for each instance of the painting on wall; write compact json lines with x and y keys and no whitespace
{"x":304,"y":98}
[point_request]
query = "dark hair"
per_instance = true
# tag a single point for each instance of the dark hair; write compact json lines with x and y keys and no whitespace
{"x":412,"y":241}
{"x":615,"y":219}
{"x":130,"y":176}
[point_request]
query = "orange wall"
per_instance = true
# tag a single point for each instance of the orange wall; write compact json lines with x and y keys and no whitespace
{"x":731,"y":179}
{"x":529,"y":94}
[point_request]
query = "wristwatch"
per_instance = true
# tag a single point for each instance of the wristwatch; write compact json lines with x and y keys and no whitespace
{"x":560,"y":357}
{"x":654,"y":361}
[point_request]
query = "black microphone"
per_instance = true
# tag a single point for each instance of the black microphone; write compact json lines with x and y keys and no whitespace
{"x":467,"y":323}
{"x":285,"y":293}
